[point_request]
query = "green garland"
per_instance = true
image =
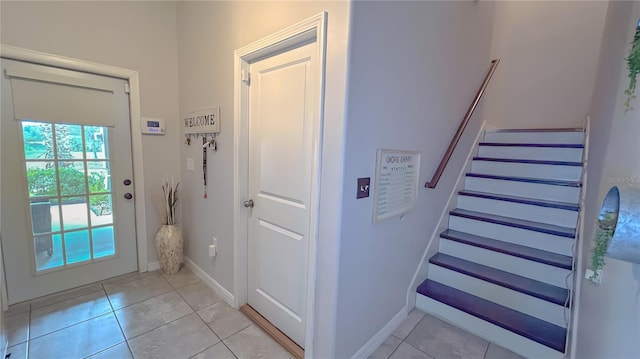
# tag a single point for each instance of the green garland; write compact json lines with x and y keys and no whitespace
{"x":604,"y":233}
{"x":633,"y":63}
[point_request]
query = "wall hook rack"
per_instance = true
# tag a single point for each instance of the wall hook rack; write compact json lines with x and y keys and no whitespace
{"x":208,"y":140}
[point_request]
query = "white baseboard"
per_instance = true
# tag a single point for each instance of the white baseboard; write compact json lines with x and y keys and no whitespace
{"x":151,"y":266}
{"x":369,"y":347}
{"x":208,"y":280}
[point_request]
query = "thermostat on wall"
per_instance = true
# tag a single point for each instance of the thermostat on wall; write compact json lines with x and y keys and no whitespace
{"x":152,"y":126}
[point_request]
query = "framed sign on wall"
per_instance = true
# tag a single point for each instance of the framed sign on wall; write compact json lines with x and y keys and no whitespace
{"x":396,"y":183}
{"x":204,"y":121}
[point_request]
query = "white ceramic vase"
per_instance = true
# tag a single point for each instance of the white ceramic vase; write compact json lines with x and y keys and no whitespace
{"x":169,"y":246}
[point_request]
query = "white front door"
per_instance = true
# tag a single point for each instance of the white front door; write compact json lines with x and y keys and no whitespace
{"x":68,"y":215}
{"x":282,"y":98}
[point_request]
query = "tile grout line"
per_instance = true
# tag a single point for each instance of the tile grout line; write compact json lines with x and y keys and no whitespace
{"x":229,"y":336}
{"x":394,"y":349}
{"x":418,"y":349}
{"x":159,"y":326}
{"x":117,"y":321}
{"x":229,"y":349}
{"x":216,"y":334}
{"x":69,"y":326}
{"x":28,"y":333}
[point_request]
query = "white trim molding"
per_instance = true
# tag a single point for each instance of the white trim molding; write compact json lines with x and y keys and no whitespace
{"x":21,"y":54}
{"x":578,"y":253}
{"x":311,"y":30}
{"x":372,"y":345}
{"x":209,"y":281}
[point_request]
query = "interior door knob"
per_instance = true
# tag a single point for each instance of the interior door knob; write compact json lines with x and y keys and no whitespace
{"x":249,"y":203}
{"x":127,"y":182}
{"x":128,"y":195}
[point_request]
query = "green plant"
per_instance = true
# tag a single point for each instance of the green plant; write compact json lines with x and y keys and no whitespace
{"x":42,"y":182}
{"x":604,"y":233}
{"x":633,"y":64}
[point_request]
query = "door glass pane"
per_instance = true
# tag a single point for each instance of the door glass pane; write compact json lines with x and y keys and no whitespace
{"x":99,"y":176}
{"x":69,"y":142}
{"x":41,"y":179}
{"x":74,"y":213}
{"x":101,"y":209}
{"x":48,"y":251}
{"x":69,"y":181}
{"x":95,"y":144}
{"x":41,"y":215}
{"x":103,"y":242}
{"x":55,"y":214}
{"x":77,"y":246}
{"x":72,"y":178}
{"x":38,"y":140}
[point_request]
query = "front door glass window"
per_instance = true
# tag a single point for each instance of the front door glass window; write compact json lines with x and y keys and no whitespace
{"x":69,"y":183}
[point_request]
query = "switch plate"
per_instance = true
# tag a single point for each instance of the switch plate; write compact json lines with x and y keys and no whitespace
{"x":363,"y":187}
{"x":190,"y":164}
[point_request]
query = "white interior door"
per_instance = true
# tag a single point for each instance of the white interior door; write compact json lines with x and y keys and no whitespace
{"x":282,"y":98}
{"x":67,"y":215}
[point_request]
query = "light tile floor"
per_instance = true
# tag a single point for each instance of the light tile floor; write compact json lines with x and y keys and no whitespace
{"x":422,"y":336}
{"x":141,"y":316}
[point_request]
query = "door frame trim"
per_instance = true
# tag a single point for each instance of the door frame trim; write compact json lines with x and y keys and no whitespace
{"x":300,"y":33}
{"x":37,"y":57}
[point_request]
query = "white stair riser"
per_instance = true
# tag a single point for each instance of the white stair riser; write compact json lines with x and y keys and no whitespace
{"x":506,"y":297}
{"x":493,"y":333}
{"x":524,"y":189}
{"x":560,"y":217}
{"x":571,"y":173}
{"x":543,"y":241}
{"x":532,"y":153}
{"x":508,"y":263}
{"x":573,"y":137}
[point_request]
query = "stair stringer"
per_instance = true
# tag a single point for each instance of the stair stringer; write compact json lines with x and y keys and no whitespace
{"x":443,"y":223}
{"x":578,"y":261}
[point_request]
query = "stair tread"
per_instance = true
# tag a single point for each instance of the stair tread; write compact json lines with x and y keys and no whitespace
{"x":571,"y":129}
{"x":516,"y":250}
{"x":553,"y":182}
{"x":516,"y":222}
{"x":525,"y":200}
{"x":516,"y":282}
{"x":533,"y":162}
{"x":551,"y":145}
{"x":522,"y":324}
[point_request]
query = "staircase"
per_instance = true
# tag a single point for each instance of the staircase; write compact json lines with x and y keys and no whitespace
{"x":503,"y":269}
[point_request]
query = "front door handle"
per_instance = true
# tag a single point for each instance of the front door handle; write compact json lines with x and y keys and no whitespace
{"x":128,"y":195}
{"x":249,"y":203}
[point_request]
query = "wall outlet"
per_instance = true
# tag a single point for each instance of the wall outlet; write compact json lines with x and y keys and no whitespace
{"x":597,"y":279}
{"x":190,"y":164}
{"x":213,"y":247}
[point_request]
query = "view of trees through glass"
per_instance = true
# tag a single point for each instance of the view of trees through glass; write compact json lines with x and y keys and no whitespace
{"x":69,"y":183}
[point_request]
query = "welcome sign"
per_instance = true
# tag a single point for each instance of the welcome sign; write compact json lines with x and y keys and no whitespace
{"x":204,"y":121}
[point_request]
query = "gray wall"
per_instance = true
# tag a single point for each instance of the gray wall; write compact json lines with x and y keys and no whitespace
{"x":139,"y":36}
{"x":414,"y":69}
{"x":609,"y":314}
{"x":549,"y":52}
{"x":208,"y":34}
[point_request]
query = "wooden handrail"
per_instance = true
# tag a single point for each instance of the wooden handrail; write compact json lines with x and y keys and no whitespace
{"x":463,"y":125}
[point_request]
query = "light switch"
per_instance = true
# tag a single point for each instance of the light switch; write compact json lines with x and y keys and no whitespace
{"x":363,"y":187}
{"x":190,"y":164}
